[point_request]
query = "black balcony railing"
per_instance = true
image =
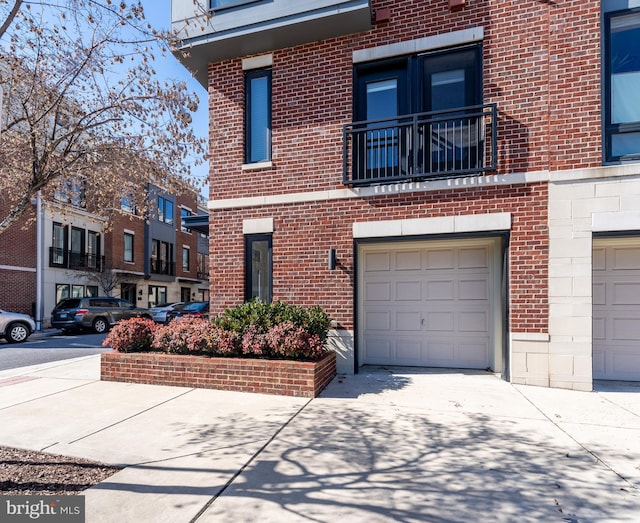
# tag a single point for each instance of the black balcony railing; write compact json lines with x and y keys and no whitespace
{"x":420,"y":146}
{"x":78,"y":261}
{"x":162,"y":267}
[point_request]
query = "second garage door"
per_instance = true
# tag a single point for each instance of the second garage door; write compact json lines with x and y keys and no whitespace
{"x":428,"y":304}
{"x":616,"y":309}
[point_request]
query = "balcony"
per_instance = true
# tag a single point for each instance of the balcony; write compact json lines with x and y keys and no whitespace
{"x":165,"y":267}
{"x":248,"y":27}
{"x":420,"y":146}
{"x":65,"y":259}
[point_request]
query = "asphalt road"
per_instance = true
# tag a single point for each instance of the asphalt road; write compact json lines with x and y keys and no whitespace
{"x":48,"y":347}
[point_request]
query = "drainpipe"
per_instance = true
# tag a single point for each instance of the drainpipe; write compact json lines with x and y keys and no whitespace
{"x":39,"y":264}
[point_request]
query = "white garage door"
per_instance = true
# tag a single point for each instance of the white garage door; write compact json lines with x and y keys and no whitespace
{"x":616,"y":309}
{"x":426,"y":304}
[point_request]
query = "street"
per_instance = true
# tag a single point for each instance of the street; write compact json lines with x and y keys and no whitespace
{"x":41,"y":348}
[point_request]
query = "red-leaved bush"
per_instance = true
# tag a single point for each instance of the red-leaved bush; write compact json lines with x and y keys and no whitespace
{"x":254,"y":329}
{"x":133,"y":335}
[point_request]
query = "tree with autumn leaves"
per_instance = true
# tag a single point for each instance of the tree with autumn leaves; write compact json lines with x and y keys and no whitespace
{"x":80,"y":101}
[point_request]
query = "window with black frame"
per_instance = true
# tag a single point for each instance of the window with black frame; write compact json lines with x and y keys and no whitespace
{"x":258,"y":116}
{"x":418,"y":116}
{"x":258,"y":267}
{"x":622,"y":85}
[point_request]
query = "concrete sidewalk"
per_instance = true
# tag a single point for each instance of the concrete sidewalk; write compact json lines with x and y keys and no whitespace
{"x":384,"y":445}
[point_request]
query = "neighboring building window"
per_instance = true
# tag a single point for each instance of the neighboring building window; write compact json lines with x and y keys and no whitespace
{"x":183,"y":214}
{"x":128,"y":247}
{"x":216,"y":5}
{"x":77,"y":291}
{"x":157,"y":295}
{"x":62,"y":291}
{"x":258,"y":267}
{"x":185,"y":259}
{"x":58,"y":253}
{"x":77,"y":260}
{"x":165,"y":210}
{"x":162,"y":258}
{"x":622,"y":85}
{"x":258,"y":115}
{"x":203,"y":266}
{"x":71,"y":191}
{"x":93,"y":251}
{"x":128,"y":204}
{"x":92,"y":290}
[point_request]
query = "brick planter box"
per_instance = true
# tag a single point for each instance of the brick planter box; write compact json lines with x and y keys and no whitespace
{"x":284,"y":377}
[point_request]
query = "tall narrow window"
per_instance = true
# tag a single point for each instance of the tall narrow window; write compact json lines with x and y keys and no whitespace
{"x":622,"y":85}
{"x":77,"y":248}
{"x":259,"y":269}
{"x":93,"y":250}
{"x":185,"y":259}
{"x":128,"y":247}
{"x":258,"y":115}
{"x":58,"y":256}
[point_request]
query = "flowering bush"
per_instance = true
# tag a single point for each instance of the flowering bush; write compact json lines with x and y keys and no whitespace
{"x":133,"y":335}
{"x":184,"y":335}
{"x":254,"y":329}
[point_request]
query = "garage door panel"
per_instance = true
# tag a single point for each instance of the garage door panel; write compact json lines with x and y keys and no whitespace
{"x":438,"y":303}
{"x":440,"y":321}
{"x":473,"y":289}
{"x":439,"y":259}
{"x":377,"y":321}
{"x":409,"y":290}
{"x":408,"y":321}
{"x":626,"y":293}
{"x":626,"y":329}
{"x":378,"y":291}
{"x":616,"y":309}
{"x":408,"y":260}
{"x":625,"y":258}
{"x":474,"y":322}
{"x":377,"y":261}
{"x":474,"y":258}
{"x":440,"y":290}
{"x":409,"y":350}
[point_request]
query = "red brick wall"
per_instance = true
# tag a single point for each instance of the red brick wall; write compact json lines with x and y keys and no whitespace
{"x":18,"y":249}
{"x":541,"y":65}
{"x":305,"y":232}
{"x":114,"y":242}
{"x":287,"y":378}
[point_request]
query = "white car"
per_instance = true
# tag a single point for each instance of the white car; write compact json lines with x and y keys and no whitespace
{"x":159,"y":312}
{"x":15,"y":327}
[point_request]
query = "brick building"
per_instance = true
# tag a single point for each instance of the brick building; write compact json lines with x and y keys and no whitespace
{"x":455,"y":182}
{"x":63,"y":249}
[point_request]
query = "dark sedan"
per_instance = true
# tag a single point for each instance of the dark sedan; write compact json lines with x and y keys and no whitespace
{"x":197,"y":309}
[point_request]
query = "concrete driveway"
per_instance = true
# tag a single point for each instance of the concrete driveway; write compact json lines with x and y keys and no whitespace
{"x":384,"y":445}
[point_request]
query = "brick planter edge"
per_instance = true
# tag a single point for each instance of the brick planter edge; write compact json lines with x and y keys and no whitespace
{"x":284,"y":377}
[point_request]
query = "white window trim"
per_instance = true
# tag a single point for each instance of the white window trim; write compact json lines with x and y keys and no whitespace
{"x":420,"y":45}
{"x":257,"y":62}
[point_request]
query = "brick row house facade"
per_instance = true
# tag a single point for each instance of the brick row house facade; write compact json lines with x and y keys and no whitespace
{"x":64,"y":249}
{"x":455,"y":182}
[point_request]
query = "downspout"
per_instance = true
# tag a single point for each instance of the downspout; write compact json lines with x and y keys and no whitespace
{"x":39,"y":263}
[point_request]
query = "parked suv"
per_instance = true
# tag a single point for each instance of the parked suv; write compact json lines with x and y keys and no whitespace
{"x":15,"y":327}
{"x":96,"y":313}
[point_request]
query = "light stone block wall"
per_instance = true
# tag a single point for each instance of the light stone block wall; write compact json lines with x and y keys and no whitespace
{"x":341,"y":341}
{"x":530,"y":359}
{"x":581,"y":202}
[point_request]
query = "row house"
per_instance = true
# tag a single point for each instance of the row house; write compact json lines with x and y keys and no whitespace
{"x":63,"y":249}
{"x":455,"y":182}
